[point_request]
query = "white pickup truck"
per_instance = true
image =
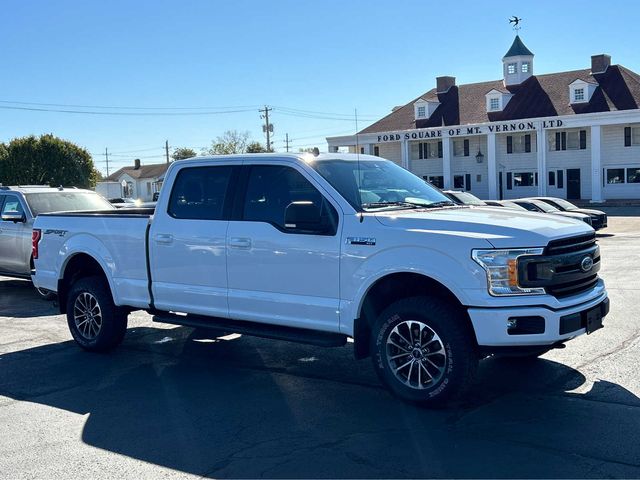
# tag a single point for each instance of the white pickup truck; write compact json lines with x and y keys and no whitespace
{"x":318,"y":249}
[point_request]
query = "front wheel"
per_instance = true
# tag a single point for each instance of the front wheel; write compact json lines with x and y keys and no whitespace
{"x":95,"y":322}
{"x":423,"y":351}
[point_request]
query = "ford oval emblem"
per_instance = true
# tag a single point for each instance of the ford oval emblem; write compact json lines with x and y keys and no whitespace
{"x":586,"y":264}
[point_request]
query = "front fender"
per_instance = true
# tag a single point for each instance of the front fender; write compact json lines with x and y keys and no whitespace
{"x":459,"y":274}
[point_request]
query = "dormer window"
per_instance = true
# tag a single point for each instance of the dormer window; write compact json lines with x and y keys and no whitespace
{"x":526,"y":66}
{"x":423,"y":109}
{"x":580,"y":91}
{"x":512,"y":68}
{"x":497,"y":100}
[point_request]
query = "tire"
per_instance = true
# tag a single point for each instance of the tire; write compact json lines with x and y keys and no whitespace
{"x":105,"y":328}
{"x":446,"y":361}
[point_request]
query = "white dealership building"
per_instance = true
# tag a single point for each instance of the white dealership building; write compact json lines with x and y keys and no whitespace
{"x":572,"y":134}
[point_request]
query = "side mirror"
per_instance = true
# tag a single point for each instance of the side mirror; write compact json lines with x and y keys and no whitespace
{"x":13,"y":217}
{"x":303,"y":216}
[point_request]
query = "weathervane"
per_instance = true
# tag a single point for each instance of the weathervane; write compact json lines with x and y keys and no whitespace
{"x":516,"y":23}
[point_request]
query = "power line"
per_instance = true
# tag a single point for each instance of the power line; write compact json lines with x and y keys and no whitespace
{"x":122,"y":107}
{"x":144,"y":114}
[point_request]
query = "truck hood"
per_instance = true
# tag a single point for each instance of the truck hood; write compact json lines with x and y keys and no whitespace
{"x":501,"y":227}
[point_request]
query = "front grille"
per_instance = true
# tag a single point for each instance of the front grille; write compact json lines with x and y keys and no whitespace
{"x":573,"y":244}
{"x":559,"y":270}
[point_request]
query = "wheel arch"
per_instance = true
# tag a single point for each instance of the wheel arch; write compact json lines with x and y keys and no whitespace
{"x":390,"y":288}
{"x":76,"y":266}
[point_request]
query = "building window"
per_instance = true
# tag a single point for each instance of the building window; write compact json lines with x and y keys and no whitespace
{"x":633,"y":175}
{"x":552,"y":179}
{"x":458,"y":181}
{"x":526,"y":66}
{"x":524,"y":179}
{"x":461,"y":148}
{"x":376,"y":150}
{"x":512,"y":68}
{"x":578,"y":95}
{"x":569,"y":140}
{"x":478,"y":178}
{"x":435,"y":180}
{"x":615,"y":176}
{"x":429,"y":150}
{"x":422,"y":111}
{"x":494,"y":104}
{"x":560,"y":174}
{"x":519,"y":143}
{"x":631,"y":136}
{"x":127,"y":190}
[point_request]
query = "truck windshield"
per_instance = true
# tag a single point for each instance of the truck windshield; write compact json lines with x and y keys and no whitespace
{"x":379,"y":184}
{"x":47,"y":202}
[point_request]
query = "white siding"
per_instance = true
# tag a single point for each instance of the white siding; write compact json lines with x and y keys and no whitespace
{"x":423,"y":167}
{"x":515,"y":163}
{"x":469,"y":165}
{"x":615,"y":154}
{"x":563,"y":159}
{"x":391,"y":151}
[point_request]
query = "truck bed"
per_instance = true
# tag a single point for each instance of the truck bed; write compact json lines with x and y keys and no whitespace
{"x":116,"y":238}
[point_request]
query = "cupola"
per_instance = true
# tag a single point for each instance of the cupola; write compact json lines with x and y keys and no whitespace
{"x":517,"y":64}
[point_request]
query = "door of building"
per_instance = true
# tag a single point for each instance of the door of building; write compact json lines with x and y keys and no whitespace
{"x":573,"y":183}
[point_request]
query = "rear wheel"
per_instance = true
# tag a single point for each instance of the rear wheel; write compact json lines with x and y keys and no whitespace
{"x":95,"y":322}
{"x":423,"y":351}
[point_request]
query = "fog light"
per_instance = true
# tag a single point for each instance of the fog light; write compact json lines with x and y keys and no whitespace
{"x":512,"y":323}
{"x":525,"y":325}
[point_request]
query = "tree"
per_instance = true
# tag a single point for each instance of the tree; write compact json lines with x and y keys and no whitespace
{"x":231,"y":142}
{"x":46,"y":160}
{"x":182,"y":153}
{"x":256,"y":147}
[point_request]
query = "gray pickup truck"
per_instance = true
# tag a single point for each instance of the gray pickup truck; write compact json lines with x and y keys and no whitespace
{"x":19,"y":206}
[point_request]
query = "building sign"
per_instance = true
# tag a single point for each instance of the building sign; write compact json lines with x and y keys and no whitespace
{"x":426,"y":134}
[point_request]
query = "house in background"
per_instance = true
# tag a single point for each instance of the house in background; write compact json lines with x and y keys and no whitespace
{"x":136,"y":182}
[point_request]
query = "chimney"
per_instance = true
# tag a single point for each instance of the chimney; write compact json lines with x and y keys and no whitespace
{"x":600,"y":63}
{"x":136,"y":164}
{"x":443,"y":84}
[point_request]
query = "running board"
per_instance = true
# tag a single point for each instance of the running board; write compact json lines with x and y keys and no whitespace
{"x":275,"y":332}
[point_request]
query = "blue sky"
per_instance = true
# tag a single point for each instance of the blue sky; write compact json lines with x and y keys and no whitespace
{"x":331,"y":56}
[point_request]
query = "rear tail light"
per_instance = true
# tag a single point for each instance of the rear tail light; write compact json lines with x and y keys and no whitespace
{"x":35,"y":239}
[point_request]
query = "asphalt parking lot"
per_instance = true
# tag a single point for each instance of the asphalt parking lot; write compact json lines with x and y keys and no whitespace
{"x":170,"y":404}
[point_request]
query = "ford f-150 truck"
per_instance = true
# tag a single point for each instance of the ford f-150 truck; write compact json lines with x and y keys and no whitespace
{"x":318,"y":249}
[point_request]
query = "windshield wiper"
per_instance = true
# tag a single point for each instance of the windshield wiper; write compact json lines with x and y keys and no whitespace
{"x":391,"y":204}
{"x":443,"y":203}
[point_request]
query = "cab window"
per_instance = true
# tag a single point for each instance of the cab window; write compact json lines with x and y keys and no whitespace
{"x":12,"y":205}
{"x":199,"y":193}
{"x":272,"y":188}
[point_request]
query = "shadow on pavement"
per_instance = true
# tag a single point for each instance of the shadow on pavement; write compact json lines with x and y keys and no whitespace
{"x":19,"y":299}
{"x":245,"y":407}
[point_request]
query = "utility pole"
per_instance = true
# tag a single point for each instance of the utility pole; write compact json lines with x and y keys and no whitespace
{"x":287,"y":141}
{"x":267,"y":127}
{"x":106,"y":156}
{"x":166,"y":149}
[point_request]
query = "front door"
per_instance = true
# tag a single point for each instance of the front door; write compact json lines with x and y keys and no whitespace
{"x":278,"y":274}
{"x":187,"y":242}
{"x":14,"y":258}
{"x":573,"y":183}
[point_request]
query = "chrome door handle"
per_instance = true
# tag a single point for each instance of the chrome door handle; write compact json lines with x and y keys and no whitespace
{"x":164,"y":238}
{"x":240,"y":242}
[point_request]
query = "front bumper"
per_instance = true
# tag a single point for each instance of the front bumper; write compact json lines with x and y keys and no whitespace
{"x":492,"y":325}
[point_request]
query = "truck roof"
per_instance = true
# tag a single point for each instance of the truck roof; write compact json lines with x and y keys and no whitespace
{"x":302,"y":157}
{"x":40,"y":189}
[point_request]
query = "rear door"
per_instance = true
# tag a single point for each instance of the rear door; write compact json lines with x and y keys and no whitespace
{"x":278,"y":274}
{"x":187,"y":241}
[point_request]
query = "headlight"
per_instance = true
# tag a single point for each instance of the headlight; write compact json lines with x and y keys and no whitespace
{"x":502,"y":270}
